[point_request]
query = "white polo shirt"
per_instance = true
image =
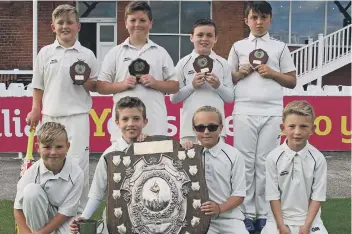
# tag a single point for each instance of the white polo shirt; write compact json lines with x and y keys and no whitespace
{"x":206,"y":95}
{"x":295,"y":178}
{"x":63,"y":189}
{"x":51,"y":74}
{"x":100,"y":182}
{"x":255,"y":95}
{"x":225,"y":176}
{"x":115,"y":69}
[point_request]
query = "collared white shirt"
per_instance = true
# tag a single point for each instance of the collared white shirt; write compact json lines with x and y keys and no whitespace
{"x":295,"y":178}
{"x":51,"y":73}
{"x":63,"y":189}
{"x":225,"y":175}
{"x":206,"y":95}
{"x":115,"y":69}
{"x":100,"y":182}
{"x":255,"y":95}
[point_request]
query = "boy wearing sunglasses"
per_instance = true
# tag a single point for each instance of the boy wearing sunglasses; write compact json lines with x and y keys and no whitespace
{"x":224,"y":173}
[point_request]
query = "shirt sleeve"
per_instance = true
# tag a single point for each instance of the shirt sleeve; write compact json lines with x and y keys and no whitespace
{"x":320,"y":180}
{"x":233,"y":59}
{"x":94,"y":72}
{"x":169,"y":72}
{"x":271,"y":182}
{"x":185,"y":89}
{"x":98,"y":187}
{"x":108,"y":68}
{"x":238,"y":178}
{"x":226,"y":90}
{"x":286,"y":61}
{"x":38,"y":71}
{"x":70,"y":204}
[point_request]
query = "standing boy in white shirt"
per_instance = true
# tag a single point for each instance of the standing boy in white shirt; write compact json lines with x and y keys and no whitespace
{"x":224,"y":174}
{"x":48,"y":193}
{"x":115,"y":78}
{"x":212,"y":88}
{"x":131,"y":118}
{"x":63,"y":101}
{"x":296,"y":176}
{"x":258,"y":104}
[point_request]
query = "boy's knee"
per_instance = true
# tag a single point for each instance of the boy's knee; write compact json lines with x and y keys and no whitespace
{"x":32,"y":191}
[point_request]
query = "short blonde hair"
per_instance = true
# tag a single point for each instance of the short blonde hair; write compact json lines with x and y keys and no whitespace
{"x":208,"y":109}
{"x":302,"y":108}
{"x":50,"y":132}
{"x":63,"y":10}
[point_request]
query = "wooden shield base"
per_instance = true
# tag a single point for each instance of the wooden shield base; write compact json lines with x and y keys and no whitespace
{"x":156,"y":187}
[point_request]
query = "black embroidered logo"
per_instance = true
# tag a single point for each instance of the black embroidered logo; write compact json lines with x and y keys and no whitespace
{"x":53,"y":61}
{"x":190,"y":72}
{"x":127,"y":59}
{"x":283,"y":173}
{"x":314,"y":229}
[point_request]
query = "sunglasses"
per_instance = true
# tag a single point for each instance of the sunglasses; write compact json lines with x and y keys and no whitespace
{"x":210,"y":127}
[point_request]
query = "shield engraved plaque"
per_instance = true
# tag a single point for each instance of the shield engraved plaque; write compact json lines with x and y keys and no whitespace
{"x":156,"y":187}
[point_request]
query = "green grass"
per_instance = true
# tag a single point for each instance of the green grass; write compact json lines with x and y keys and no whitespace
{"x":336,"y":214}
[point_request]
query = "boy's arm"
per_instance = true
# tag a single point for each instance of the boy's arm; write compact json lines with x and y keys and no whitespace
{"x":238,"y":185}
{"x":313,"y":209}
{"x":287,"y":75}
{"x":225,"y":90}
{"x":33,"y":117}
{"x":233,"y":61}
{"x":91,"y":83}
{"x":21,"y":221}
{"x":276,"y":209}
{"x":53,"y":224}
{"x":185,"y":89}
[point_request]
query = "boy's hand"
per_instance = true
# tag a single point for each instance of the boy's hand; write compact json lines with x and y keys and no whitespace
{"x":141,"y":137}
{"x":210,"y":208}
{"x":245,"y":70}
{"x":74,"y":229}
{"x":304,"y":229}
{"x":283,"y":229}
{"x":199,"y":80}
{"x":33,"y":117}
{"x":265,"y":71}
{"x":129,"y":82}
{"x":213,"y":80}
{"x":148,"y":81}
{"x":187,"y":145}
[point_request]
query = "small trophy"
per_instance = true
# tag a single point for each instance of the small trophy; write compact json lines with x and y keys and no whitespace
{"x":257,"y":57}
{"x":203,"y":64}
{"x":79,"y":72}
{"x":138,"y":67}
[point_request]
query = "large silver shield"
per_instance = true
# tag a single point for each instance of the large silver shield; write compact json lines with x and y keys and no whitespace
{"x":156,"y":187}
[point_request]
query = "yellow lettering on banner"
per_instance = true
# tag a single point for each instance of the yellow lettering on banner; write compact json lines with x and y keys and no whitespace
{"x":99,"y":121}
{"x":344,"y":130}
{"x":328,"y":125}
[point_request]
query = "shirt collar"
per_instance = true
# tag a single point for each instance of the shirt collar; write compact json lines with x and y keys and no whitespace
{"x":149,"y":43}
{"x":265,"y":37}
{"x":215,"y":150}
{"x":63,"y":174}
{"x":290,"y":153}
{"x":212,"y":55}
{"x":77,"y":46}
{"x":122,"y":144}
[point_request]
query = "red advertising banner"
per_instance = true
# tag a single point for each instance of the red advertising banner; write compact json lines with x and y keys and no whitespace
{"x":333,"y":120}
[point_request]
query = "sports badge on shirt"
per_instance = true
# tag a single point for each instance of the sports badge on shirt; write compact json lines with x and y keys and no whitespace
{"x":79,"y":72}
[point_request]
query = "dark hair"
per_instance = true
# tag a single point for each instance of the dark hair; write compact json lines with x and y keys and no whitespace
{"x":261,"y":7}
{"x":202,"y":22}
{"x":138,"y":6}
{"x":130,"y":102}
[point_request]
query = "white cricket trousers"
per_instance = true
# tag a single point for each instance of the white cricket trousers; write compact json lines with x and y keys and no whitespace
{"x":227,"y":226}
{"x":255,"y":136}
{"x":38,"y":211}
{"x":316,"y":228}
{"x":78,"y":131}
